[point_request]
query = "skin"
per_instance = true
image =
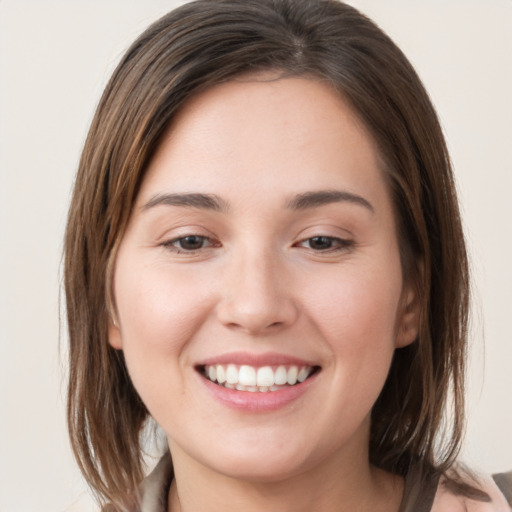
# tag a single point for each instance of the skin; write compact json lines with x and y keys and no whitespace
{"x":260,"y":281}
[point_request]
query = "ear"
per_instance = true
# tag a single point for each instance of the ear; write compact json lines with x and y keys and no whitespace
{"x":114,"y":334}
{"x":408,"y":324}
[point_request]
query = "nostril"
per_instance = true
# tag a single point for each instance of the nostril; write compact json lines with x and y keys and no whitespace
{"x":256,"y":316}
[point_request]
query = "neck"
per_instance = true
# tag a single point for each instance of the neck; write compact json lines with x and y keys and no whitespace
{"x":332,"y":486}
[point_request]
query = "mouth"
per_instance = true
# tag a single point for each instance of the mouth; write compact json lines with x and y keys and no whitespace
{"x":257,"y":379}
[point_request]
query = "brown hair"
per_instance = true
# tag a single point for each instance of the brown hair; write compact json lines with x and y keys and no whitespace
{"x":208,"y":42}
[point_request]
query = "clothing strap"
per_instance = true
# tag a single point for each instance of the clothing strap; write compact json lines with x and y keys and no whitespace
{"x":504,"y":483}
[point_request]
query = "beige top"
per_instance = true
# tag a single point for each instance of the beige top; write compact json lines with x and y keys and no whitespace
{"x":418,"y":495}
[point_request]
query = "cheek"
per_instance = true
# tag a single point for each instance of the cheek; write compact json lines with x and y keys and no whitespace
{"x":356,"y":308}
{"x":158,"y":309}
{"x":356,"y":314}
{"x":159,"y":313}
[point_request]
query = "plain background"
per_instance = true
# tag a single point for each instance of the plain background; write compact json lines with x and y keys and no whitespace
{"x":55,"y":57}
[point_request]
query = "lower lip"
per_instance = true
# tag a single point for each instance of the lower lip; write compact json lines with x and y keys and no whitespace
{"x":258,"y":401}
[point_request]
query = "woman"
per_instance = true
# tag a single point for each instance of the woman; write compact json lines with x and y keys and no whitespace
{"x":272,"y":268}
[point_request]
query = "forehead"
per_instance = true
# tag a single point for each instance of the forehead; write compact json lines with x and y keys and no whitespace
{"x":262,"y":131}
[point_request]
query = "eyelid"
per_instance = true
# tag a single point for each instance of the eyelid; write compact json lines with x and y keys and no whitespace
{"x":340,"y":244}
{"x":180,"y":230}
{"x":326,"y":229}
{"x":171,"y":244}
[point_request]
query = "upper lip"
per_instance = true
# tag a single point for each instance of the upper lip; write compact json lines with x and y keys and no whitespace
{"x":257,"y":360}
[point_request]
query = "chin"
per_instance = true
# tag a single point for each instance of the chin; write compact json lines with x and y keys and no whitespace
{"x":260,"y":470}
{"x":270,"y":460}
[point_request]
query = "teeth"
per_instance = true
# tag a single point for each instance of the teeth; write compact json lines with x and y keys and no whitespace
{"x":281,"y":376}
{"x":303,"y":374}
{"x":265,"y":377}
{"x":251,"y":379}
{"x":232,"y":374}
{"x":221,"y":374}
{"x":247,"y":376}
{"x":292,"y":375}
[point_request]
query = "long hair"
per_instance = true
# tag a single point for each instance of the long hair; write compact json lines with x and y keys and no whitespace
{"x":208,"y":42}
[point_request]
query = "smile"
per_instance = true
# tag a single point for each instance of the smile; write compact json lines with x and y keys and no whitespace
{"x":257,"y":379}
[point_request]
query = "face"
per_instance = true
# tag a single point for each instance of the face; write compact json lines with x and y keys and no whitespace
{"x":258,"y":288}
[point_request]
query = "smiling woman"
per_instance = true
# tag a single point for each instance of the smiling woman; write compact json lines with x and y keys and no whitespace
{"x":272,"y":268}
{"x":260,"y":282}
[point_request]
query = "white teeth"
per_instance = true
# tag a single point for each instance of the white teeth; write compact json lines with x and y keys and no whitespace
{"x":247,"y":376}
{"x":281,"y":376}
{"x":292,"y":375}
{"x":232,"y":374}
{"x":265,"y":376}
{"x":221,"y":374}
{"x":303,"y":374}
{"x":263,"y":379}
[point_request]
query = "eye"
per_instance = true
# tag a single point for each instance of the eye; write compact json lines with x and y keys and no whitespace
{"x":325,"y":243}
{"x":189,"y":243}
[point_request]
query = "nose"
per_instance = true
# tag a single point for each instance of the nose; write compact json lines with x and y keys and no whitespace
{"x":257,"y":295}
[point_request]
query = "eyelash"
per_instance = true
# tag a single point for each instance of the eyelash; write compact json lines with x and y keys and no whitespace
{"x":335,"y":244}
{"x":174,"y":245}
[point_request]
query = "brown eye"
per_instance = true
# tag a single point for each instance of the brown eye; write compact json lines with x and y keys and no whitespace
{"x":321,"y":243}
{"x":191,"y":242}
{"x":325,"y":244}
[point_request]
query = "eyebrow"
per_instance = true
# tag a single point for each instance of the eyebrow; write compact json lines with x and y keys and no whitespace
{"x":191,"y":200}
{"x":213,"y":202}
{"x":324,"y":197}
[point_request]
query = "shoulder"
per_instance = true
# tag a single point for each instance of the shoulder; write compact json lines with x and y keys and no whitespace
{"x":446,"y":501}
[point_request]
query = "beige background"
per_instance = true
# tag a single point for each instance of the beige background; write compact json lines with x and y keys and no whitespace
{"x":55,"y":57}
